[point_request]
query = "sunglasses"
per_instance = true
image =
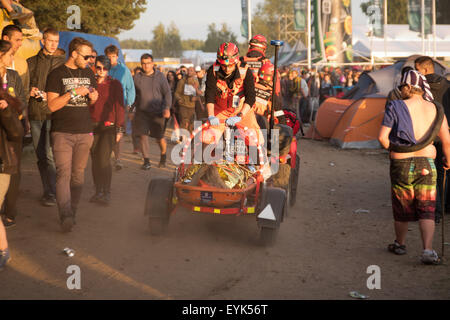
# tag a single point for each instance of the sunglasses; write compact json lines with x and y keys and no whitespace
{"x":100,"y":68}
{"x":86,"y":57}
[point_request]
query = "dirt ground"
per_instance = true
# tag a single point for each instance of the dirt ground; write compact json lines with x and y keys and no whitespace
{"x":323,"y":248}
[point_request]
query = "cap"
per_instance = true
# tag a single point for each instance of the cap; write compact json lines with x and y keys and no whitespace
{"x":197,"y":69}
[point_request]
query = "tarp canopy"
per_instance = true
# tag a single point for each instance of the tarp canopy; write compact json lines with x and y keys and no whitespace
{"x":99,"y":42}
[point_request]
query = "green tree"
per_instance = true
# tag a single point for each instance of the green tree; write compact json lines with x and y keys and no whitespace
{"x":135,"y":44}
{"x":159,"y":41}
{"x":192,"y":44}
{"x":266,"y":18}
{"x":166,"y":43}
{"x":173,"y":41}
{"x":102,"y":17}
{"x":216,"y":37}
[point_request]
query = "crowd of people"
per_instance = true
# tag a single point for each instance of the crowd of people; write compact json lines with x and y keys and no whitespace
{"x":82,"y":105}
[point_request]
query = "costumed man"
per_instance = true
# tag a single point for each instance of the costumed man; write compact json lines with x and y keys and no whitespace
{"x":256,"y":58}
{"x":263,"y":90}
{"x":230,"y":95}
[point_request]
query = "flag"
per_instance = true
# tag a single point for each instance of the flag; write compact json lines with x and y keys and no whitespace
{"x":300,"y":8}
{"x":376,"y":18}
{"x":244,"y":21}
{"x":415,"y":15}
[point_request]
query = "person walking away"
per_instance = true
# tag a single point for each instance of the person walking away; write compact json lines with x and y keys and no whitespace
{"x":11,"y":133}
{"x":408,"y":123}
{"x":71,"y":88}
{"x":120,"y":72}
{"x":107,"y":114}
{"x":12,"y":84}
{"x":439,"y":87}
{"x":153,"y":103}
{"x":39,"y":115}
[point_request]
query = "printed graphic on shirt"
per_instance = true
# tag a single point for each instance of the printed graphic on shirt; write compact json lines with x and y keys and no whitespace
{"x":262,"y":96}
{"x":73,"y":83}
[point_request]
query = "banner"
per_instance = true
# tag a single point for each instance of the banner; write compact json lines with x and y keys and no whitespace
{"x":300,"y":12}
{"x":244,"y":21}
{"x":376,"y":18}
{"x":337,"y":30}
{"x":415,"y":15}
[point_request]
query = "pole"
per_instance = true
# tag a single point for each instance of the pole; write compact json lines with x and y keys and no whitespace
{"x":434,"y":28}
{"x":385,"y":28}
{"x":422,"y":12}
{"x":308,"y":23}
{"x":277,"y":44}
{"x":443,"y":214}
{"x":249,"y":19}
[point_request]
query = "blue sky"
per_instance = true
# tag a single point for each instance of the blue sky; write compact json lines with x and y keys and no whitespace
{"x":192,"y":17}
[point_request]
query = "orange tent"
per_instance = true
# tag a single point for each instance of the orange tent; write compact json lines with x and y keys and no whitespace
{"x":355,"y":120}
{"x":327,"y":118}
{"x":359,"y":125}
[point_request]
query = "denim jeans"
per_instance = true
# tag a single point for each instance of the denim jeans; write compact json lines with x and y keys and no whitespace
{"x":40,"y":132}
{"x":71,"y":156}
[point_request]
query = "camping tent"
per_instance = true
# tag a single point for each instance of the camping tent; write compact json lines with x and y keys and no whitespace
{"x":99,"y":42}
{"x":354,"y":121}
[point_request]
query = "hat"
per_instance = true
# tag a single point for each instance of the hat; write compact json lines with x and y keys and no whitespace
{"x":417,"y":80}
{"x":197,"y":69}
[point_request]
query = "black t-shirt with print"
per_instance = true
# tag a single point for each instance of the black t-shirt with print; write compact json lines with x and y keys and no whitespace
{"x":74,"y":117}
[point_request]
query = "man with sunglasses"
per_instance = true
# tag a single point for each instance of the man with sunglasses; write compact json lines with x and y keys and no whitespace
{"x":71,"y":89}
{"x":39,"y":115}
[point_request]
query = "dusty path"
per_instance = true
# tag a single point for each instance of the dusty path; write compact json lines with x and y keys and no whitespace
{"x":322,"y":252}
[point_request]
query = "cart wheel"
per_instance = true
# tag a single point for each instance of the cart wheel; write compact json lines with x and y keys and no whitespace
{"x":268,"y":236}
{"x":294,"y":182}
{"x":276,"y":197}
{"x":158,"y":204}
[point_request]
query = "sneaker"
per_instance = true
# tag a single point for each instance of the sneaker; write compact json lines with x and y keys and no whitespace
{"x":96,"y":197}
{"x":4,"y":258}
{"x":118,"y":165}
{"x":146,"y":166}
{"x":105,"y":199}
{"x":67,"y":224}
{"x":8,"y":223}
{"x":397,"y":248}
{"x":162,"y":162}
{"x":48,"y":201}
{"x":430,"y":257}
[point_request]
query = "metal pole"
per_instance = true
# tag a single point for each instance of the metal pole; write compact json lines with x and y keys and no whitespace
{"x":277,"y":44}
{"x":422,"y":11}
{"x":443,"y":214}
{"x":308,"y":23}
{"x":434,"y":28}
{"x":385,"y":28}
{"x":249,"y":19}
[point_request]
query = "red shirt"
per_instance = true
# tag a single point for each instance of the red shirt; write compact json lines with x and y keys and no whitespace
{"x":109,"y":105}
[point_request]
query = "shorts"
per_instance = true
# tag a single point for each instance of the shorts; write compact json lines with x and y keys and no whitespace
{"x":413,"y":188}
{"x":150,"y":123}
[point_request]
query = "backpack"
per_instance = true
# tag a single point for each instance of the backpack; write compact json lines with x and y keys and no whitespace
{"x":292,"y":121}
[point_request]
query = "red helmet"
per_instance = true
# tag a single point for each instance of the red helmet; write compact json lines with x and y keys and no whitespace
{"x":228,"y":53}
{"x":258,"y":42}
{"x":265,"y":73}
